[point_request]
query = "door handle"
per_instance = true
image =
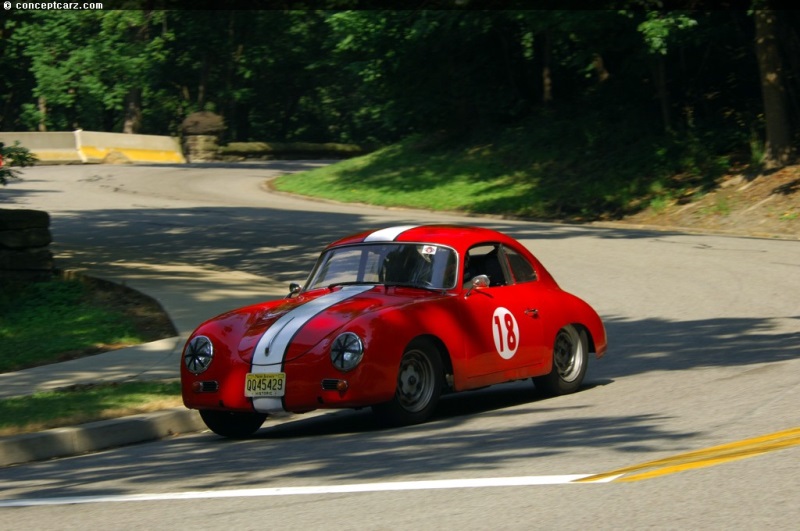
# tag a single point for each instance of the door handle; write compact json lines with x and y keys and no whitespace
{"x":532,"y":312}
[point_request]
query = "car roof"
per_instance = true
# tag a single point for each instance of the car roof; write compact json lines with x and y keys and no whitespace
{"x":456,"y":236}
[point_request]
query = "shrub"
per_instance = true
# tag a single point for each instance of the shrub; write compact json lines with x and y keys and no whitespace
{"x":15,"y":155}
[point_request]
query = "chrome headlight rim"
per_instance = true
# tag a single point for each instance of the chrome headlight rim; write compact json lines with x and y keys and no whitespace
{"x":347,"y":351}
{"x":198,"y":355}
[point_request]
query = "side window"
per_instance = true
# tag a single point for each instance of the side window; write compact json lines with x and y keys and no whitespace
{"x":521,"y":269}
{"x":485,"y":260}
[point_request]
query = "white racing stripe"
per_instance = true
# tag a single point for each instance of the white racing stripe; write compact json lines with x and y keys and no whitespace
{"x":271,"y":348}
{"x":388,"y":235}
{"x":523,"y":481}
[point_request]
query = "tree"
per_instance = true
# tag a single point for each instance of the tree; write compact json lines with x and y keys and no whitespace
{"x":86,"y":65}
{"x":778,"y":148}
{"x":658,"y":30}
{"x":15,"y":81}
{"x":378,"y":75}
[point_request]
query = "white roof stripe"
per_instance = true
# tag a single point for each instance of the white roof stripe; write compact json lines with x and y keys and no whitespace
{"x":279,"y":335}
{"x":388,"y":235}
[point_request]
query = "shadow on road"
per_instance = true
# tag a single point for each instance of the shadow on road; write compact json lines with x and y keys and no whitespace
{"x":276,"y":244}
{"x":351,"y":445}
{"x":346,"y":447}
{"x":645,"y":345}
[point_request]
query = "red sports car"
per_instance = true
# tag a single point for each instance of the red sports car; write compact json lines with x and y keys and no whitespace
{"x":392,"y":319}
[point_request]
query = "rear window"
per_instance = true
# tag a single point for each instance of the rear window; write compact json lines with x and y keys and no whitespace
{"x":521,"y":269}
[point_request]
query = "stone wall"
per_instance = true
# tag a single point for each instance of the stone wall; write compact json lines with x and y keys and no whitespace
{"x":200,"y":148}
{"x":238,"y":151}
{"x":24,"y":245}
{"x":201,"y":132}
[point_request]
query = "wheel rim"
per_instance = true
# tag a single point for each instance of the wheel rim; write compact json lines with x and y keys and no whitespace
{"x":568,"y":354}
{"x":415,"y":383}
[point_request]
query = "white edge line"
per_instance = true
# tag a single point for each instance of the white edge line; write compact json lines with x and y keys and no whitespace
{"x":523,"y":481}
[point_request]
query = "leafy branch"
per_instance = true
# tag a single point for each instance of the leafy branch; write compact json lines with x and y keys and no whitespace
{"x":13,"y":156}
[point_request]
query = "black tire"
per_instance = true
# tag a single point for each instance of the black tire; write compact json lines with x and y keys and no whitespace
{"x":232,"y":425}
{"x":419,"y":385}
{"x":570,"y":359}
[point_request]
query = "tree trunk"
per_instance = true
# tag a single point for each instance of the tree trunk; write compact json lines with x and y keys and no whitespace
{"x":600,"y":68}
{"x":659,"y":70}
{"x":42,"y":114}
{"x":547,"y":75}
{"x":203,"y":84}
{"x":133,"y":99}
{"x":778,"y":150}
{"x":133,"y":111}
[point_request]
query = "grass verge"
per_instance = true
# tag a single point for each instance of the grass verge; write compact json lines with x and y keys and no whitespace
{"x":573,"y":169}
{"x":66,"y":318}
{"x":62,"y":319}
{"x":85,"y":403}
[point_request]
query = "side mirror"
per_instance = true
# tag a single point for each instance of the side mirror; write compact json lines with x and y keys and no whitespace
{"x":480,"y":281}
{"x":294,"y":289}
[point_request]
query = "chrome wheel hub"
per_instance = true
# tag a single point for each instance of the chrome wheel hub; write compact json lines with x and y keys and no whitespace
{"x":415,"y":381}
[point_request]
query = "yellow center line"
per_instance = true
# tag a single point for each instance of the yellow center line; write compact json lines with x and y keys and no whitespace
{"x":714,"y":455}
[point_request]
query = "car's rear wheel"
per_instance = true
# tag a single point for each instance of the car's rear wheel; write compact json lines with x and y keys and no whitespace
{"x":570,"y":359}
{"x":232,"y":425}
{"x":419,"y":386}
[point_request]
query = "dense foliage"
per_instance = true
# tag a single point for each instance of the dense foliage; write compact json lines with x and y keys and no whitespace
{"x":376,"y":76}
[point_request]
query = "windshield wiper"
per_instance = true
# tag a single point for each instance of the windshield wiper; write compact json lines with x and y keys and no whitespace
{"x":413,"y":285}
{"x":349,"y":283}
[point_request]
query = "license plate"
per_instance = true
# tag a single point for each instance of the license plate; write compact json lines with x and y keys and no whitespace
{"x":266,"y":384}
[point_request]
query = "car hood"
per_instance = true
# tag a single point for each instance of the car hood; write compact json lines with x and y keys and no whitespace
{"x":310,"y":317}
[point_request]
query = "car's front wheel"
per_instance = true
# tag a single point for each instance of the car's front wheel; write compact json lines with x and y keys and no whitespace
{"x":570,"y":359}
{"x":419,"y":386}
{"x":232,"y":425}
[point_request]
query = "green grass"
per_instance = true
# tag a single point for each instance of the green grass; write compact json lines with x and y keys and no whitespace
{"x":46,"y":322}
{"x":82,"y":404}
{"x":42,"y":322}
{"x":573,"y":169}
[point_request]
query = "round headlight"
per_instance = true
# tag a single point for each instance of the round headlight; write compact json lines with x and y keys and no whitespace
{"x":198,"y":355}
{"x":347,"y":351}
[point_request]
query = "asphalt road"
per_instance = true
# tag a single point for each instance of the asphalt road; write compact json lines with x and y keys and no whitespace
{"x":704,"y":351}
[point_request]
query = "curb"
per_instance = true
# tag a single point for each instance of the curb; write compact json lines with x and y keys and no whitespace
{"x":100,"y":435}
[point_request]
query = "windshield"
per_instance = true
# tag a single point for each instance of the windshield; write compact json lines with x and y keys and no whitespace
{"x":406,"y":264}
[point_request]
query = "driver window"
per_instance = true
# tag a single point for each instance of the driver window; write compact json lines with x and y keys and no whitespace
{"x":484,"y":260}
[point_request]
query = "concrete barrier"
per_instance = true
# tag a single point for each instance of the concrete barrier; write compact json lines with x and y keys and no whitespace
{"x":53,"y":148}
{"x":97,"y":147}
{"x":80,"y":147}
